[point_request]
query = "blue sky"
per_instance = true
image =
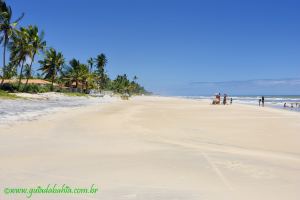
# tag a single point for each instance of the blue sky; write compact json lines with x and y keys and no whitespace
{"x":173,"y":44}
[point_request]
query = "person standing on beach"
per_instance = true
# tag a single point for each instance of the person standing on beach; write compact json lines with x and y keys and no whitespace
{"x":259,"y":100}
{"x":218,"y":97}
{"x":225,"y":99}
{"x":230,"y":101}
{"x":263,"y":101}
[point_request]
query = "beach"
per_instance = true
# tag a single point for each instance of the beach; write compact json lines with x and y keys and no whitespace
{"x":156,"y":148}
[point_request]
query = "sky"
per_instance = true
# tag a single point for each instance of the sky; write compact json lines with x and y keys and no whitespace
{"x":177,"y":47}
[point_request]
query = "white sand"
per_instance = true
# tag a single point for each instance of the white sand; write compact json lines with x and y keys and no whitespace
{"x":154,"y":148}
{"x":36,"y":105}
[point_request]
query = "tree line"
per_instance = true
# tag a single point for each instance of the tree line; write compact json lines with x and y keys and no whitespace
{"x":25,"y":43}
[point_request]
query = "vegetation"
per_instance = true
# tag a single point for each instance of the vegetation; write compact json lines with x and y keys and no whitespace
{"x":123,"y":85}
{"x":36,"y":44}
{"x":30,"y":88}
{"x":52,"y":65}
{"x":26,"y":43}
{"x":103,"y":79}
{"x":6,"y":95}
{"x":19,"y":50}
{"x":7,"y":28}
{"x":75,"y":94}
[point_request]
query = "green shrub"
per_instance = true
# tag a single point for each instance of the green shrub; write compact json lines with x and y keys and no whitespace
{"x":29,"y":88}
{"x":33,"y":88}
{"x":9,"y":87}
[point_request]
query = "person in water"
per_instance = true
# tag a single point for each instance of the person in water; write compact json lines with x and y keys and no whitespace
{"x":263,"y":101}
{"x":259,"y":101}
{"x":230,"y":100}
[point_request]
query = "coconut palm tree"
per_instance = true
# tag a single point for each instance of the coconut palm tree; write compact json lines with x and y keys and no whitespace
{"x":121,"y":84}
{"x":36,"y":45}
{"x":90,"y":81}
{"x":27,"y":70}
{"x":7,"y":27}
{"x":101,"y":61}
{"x":73,"y":72}
{"x":10,"y":71}
{"x":19,"y":50}
{"x":52,"y":64}
{"x":91,"y":64}
{"x":84,"y":75}
{"x":78,"y":72}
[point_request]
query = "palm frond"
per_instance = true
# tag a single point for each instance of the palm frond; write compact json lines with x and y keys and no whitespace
{"x":19,"y":19}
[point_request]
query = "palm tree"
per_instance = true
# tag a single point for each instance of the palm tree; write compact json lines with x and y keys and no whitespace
{"x":91,"y":64}
{"x":27,"y":70}
{"x":7,"y":27}
{"x":36,"y":44}
{"x":19,"y":50}
{"x":73,"y":72}
{"x":101,"y":61}
{"x":10,"y":70}
{"x":78,"y":72}
{"x":84,"y":75}
{"x":90,"y":81}
{"x":134,"y":85}
{"x":121,"y":84}
{"x":52,"y":64}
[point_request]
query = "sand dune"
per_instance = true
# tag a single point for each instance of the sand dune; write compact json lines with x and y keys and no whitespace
{"x":155,"y":148}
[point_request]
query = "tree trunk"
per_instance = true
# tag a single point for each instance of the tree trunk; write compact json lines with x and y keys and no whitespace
{"x":82,"y":85}
{"x":86,"y":85}
{"x":29,"y":70}
{"x":52,"y":83}
{"x":4,"y":53}
{"x":21,"y":74}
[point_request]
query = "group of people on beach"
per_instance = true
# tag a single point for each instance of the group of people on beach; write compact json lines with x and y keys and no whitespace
{"x":217,"y":99}
{"x":261,"y":101}
{"x":297,"y":105}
